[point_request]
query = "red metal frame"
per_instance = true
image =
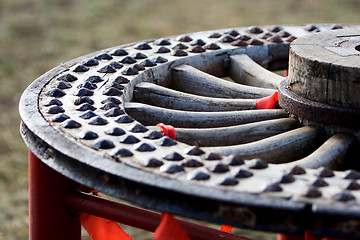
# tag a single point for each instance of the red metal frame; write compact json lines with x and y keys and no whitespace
{"x":55,"y":206}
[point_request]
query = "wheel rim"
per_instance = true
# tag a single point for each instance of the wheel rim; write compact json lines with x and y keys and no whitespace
{"x":157,"y":162}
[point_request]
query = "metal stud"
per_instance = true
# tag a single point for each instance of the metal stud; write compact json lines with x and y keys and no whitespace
{"x":111,"y":91}
{"x":233,"y":33}
{"x":107,"y":69}
{"x":69,"y":123}
{"x":275,"y":28}
{"x":117,"y":85}
{"x":162,"y":42}
{"x":91,"y":62}
{"x":215,"y":35}
{"x":123,"y":152}
{"x":116,"y":65}
{"x":111,"y":100}
{"x":197,"y":49}
{"x":94,"y":79}
{"x":275,"y":39}
{"x":55,"y":92}
{"x":244,"y":37}
{"x":320,"y":183}
{"x":152,"y":163}
{"x":352,"y":174}
{"x":297,"y":170}
{"x":273,"y":187}
{"x":84,"y":92}
{"x":312,"y":192}
{"x":53,"y":101}
{"x":55,"y":109}
{"x":115,"y":131}
{"x":256,"y":163}
{"x":121,"y":80}
{"x":180,"y":46}
{"x":255,"y":30}
{"x":59,"y":117}
{"x":239,"y":43}
{"x":153,"y":134}
{"x":198,"y":42}
{"x":62,"y":85}
{"x":85,"y":107}
{"x":227,"y":39}
{"x":174,"y":156}
{"x":103,"y":144}
{"x":179,"y":53}
{"x":283,"y":34}
{"x":343,"y":196}
{"x":229,"y":182}
{"x":124,"y":119}
{"x":81,"y":68}
{"x":234,"y":160}
{"x":139,"y":67}
{"x":98,"y":121}
{"x":104,"y":56}
{"x":138,"y":128}
{"x":192,"y":163}
{"x":129,"y":139}
{"x":128,"y":60}
{"x":114,"y":112}
{"x":242,"y":173}
{"x":213,"y":156}
{"x":88,"y":114}
{"x":88,"y":85}
{"x":287,"y":178}
{"x":324,"y":172}
{"x":256,"y":42}
{"x":130,"y":71}
{"x":139,"y":55}
{"x":160,"y":59}
{"x":195,"y":151}
{"x":198,"y":175}
{"x":265,"y":35}
{"x":144,"y":147}
{"x":148,"y":63}
{"x":184,"y":38}
{"x":67,"y":78}
{"x":353,"y":185}
{"x":212,"y":46}
{"x":171,"y":168}
{"x":109,"y":105}
{"x":218,"y":168}
{"x":143,"y":46}
{"x":88,"y":135}
{"x":163,"y":50}
{"x":120,"y":52}
{"x":166,"y":142}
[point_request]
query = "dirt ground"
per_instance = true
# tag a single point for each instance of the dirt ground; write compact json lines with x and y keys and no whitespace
{"x":36,"y":36}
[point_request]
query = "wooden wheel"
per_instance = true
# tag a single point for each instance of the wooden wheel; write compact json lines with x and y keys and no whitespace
{"x":100,"y":112}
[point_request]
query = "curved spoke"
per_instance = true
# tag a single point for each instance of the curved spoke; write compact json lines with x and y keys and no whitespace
{"x":330,"y":154}
{"x":188,"y":79}
{"x":236,"y":134}
{"x":281,"y":148}
{"x":246,"y":71}
{"x":150,"y":115}
{"x":156,"y":95}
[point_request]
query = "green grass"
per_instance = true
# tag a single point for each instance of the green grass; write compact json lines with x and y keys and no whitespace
{"x":36,"y":36}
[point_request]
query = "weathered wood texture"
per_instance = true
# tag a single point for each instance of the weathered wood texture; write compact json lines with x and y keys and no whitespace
{"x":188,"y":79}
{"x":331,"y":154}
{"x":240,"y":134}
{"x":150,"y":115}
{"x":246,"y":71}
{"x":280,"y":148}
{"x":156,"y":95}
{"x":326,"y":67}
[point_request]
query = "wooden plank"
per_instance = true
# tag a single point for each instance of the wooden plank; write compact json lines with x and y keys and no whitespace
{"x":280,"y":148}
{"x":151,"y":115}
{"x":240,"y":134}
{"x":246,"y":71}
{"x":156,"y":95}
{"x":188,"y":79}
{"x":331,"y":154}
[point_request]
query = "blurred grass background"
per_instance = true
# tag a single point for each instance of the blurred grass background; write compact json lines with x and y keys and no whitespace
{"x":37,"y":35}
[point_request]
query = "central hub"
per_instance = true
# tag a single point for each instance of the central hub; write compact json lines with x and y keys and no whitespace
{"x":324,"y":78}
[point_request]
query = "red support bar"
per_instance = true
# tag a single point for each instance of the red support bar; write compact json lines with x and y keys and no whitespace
{"x":290,"y":237}
{"x":49,"y":217}
{"x":139,"y":218}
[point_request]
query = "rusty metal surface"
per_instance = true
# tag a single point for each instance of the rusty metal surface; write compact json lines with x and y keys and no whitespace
{"x":74,"y":120}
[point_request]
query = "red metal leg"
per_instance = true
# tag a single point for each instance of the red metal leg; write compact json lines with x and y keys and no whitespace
{"x":290,"y":237}
{"x":49,"y":217}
